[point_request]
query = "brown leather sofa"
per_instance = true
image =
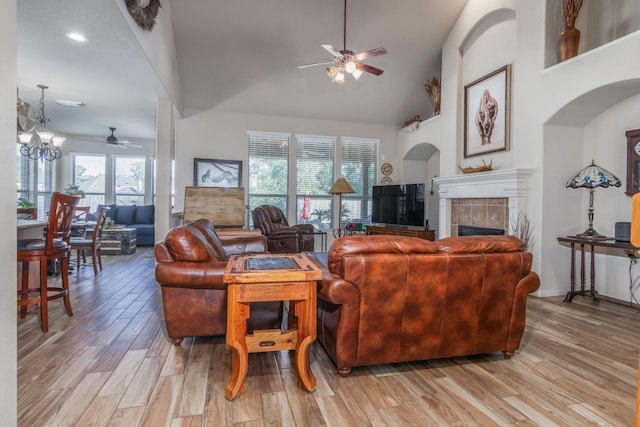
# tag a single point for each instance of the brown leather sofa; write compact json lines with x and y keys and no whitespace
{"x":283,"y":238}
{"x":190,"y":263}
{"x":388,"y":299}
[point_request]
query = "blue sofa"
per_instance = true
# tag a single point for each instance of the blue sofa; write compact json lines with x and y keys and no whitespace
{"x":142,"y":218}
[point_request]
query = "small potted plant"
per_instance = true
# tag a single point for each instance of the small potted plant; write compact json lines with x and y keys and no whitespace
{"x":570,"y":37}
{"x":74,"y":190}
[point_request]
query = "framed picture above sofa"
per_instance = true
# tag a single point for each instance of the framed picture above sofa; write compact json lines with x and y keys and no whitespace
{"x":486,"y":113}
{"x":217,"y":173}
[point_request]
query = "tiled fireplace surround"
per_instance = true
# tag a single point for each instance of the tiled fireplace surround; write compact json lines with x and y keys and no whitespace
{"x":485,"y":199}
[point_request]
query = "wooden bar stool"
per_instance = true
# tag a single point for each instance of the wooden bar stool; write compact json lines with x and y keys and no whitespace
{"x":55,"y":246}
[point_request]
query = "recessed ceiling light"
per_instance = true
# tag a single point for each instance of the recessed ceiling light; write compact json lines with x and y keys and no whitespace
{"x":65,"y":103}
{"x":76,"y":36}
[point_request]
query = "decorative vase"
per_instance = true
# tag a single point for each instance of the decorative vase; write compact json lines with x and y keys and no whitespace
{"x":436,"y":108}
{"x":569,"y":41}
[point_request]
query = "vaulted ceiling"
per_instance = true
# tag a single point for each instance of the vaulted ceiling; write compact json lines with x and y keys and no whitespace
{"x":237,"y":56}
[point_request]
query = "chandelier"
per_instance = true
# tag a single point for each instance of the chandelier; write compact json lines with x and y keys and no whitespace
{"x":42,"y":144}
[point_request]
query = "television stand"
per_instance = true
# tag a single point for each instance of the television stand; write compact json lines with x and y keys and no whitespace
{"x":395,"y":231}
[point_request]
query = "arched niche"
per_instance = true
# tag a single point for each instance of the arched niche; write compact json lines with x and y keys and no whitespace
{"x":421,"y":164}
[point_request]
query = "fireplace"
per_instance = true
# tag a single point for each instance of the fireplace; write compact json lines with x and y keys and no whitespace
{"x":469,"y":230}
{"x":509,"y":185}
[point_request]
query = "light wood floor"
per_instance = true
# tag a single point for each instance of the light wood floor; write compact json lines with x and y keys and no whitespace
{"x":112,"y":365}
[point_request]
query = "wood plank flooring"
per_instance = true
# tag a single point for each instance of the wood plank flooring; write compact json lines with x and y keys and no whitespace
{"x":111,"y":364}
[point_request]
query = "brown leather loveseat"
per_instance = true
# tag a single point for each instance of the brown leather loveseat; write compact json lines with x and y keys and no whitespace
{"x":190,"y":262}
{"x":388,"y":299}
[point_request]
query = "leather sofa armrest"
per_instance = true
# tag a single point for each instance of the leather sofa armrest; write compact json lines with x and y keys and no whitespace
{"x":337,"y":290}
{"x":304,"y":228}
{"x":285,"y":233}
{"x":244,"y":245}
{"x":187,"y":274}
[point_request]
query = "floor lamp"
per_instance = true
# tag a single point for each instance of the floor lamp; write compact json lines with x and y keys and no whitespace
{"x":591,"y":177}
{"x":340,"y":187}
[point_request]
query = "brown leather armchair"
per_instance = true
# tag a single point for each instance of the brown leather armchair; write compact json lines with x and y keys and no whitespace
{"x":390,"y":299}
{"x":190,"y":263}
{"x":282,"y":237}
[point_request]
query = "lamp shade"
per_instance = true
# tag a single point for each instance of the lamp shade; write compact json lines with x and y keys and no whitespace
{"x":594,"y":176}
{"x":341,"y":186}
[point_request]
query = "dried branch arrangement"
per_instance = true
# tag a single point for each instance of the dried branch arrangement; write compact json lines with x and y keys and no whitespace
{"x":570,"y":10}
{"x":521,"y":228}
{"x":433,"y":88}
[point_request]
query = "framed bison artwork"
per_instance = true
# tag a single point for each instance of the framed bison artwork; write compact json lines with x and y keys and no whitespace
{"x":486,"y":113}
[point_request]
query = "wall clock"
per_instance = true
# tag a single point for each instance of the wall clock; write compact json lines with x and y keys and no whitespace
{"x":633,"y":162}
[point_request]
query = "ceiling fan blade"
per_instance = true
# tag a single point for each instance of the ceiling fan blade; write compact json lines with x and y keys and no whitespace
{"x":315,"y":64}
{"x":368,"y":68}
{"x":370,"y":53}
{"x":332,"y":50}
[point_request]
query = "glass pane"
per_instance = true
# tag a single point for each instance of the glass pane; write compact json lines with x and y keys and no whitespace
{"x":129,"y":179}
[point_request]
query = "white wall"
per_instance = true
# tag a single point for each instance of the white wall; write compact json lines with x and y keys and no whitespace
{"x":561,"y":118}
{"x":8,"y":337}
{"x":219,"y":135}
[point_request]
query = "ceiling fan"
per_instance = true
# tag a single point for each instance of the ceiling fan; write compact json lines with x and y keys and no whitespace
{"x":113,"y":140}
{"x":345,"y":61}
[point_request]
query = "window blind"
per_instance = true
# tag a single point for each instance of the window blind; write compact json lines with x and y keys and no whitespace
{"x":129,"y":174}
{"x":268,"y":170}
{"x":89,"y":174}
{"x":359,"y":168}
{"x":314,"y":176}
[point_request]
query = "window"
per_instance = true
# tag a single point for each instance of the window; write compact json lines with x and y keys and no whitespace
{"x":35,"y":180}
{"x":129,"y":180}
{"x":268,"y":170}
{"x":89,"y":175}
{"x":359,"y":166}
{"x":314,"y":177}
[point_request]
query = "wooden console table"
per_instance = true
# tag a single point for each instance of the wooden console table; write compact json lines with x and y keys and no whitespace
{"x":608,"y":242}
{"x":422,"y":234}
{"x":270,"y":277}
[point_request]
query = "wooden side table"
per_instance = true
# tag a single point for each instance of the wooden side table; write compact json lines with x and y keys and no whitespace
{"x":270,"y":277}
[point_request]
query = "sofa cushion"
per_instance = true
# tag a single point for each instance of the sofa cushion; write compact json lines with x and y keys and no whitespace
{"x":188,"y":244}
{"x":352,"y":245}
{"x":144,"y":215}
{"x":144,"y":229}
{"x":125,"y":215}
{"x":111,"y":212}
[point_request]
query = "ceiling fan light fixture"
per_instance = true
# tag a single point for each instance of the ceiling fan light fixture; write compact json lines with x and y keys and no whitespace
{"x":356,"y":74}
{"x":339,"y":77}
{"x":350,"y":67}
{"x":332,"y":71}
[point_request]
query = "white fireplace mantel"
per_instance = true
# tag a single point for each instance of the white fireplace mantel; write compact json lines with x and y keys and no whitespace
{"x":508,"y":183}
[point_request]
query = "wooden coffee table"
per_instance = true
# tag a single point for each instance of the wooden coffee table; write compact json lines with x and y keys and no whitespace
{"x":270,"y":277}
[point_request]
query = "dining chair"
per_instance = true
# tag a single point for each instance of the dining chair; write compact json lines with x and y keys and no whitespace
{"x":53,"y":247}
{"x":27,"y":213}
{"x":80,"y":221}
{"x":92,"y":244}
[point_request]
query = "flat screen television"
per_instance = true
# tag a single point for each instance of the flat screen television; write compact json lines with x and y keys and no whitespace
{"x":398,"y":204}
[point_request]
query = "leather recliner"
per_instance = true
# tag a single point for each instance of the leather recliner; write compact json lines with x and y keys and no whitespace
{"x":282,"y":237}
{"x":190,"y":264}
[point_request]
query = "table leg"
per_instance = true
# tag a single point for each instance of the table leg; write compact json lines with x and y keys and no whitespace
{"x":582,"y":274}
{"x":592,"y":272}
{"x":572,"y":275}
{"x":306,"y":313}
{"x":237,"y":315}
